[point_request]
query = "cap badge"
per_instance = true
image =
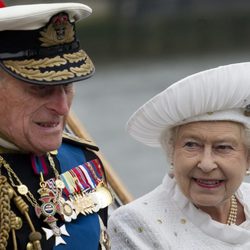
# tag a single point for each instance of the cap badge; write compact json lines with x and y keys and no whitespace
{"x":58,"y":31}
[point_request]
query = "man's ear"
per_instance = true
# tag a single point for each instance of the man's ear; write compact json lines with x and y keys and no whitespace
{"x":1,"y":73}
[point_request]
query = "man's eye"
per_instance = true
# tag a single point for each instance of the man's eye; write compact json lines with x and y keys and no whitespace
{"x":39,"y":90}
{"x":42,"y":87}
{"x":39,"y":87}
{"x":68,"y":87}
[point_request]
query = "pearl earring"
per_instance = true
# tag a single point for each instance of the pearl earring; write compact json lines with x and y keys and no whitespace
{"x":171,"y":170}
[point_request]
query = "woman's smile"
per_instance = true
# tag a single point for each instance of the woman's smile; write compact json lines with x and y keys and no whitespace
{"x":208,"y":183}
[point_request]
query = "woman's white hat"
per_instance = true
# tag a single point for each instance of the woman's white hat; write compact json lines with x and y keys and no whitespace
{"x":222,"y":93}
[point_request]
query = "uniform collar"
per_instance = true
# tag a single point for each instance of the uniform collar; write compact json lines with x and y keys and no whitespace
{"x":6,"y":146}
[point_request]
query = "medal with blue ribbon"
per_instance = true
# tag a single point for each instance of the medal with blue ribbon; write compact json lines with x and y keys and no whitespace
{"x":84,"y":187}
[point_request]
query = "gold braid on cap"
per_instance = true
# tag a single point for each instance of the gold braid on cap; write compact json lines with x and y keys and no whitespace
{"x":36,"y":64}
{"x":84,"y":69}
{"x":30,"y":69}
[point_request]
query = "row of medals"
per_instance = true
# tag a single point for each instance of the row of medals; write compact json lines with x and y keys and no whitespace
{"x":84,"y":202}
{"x":78,"y":203}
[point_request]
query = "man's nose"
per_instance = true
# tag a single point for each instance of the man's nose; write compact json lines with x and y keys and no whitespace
{"x":60,"y":101}
{"x":207,"y":161}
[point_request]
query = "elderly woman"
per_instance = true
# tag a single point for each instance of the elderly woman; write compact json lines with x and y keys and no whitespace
{"x":202,"y":122}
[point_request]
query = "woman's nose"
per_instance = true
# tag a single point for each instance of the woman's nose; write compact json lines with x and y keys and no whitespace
{"x":207,"y":162}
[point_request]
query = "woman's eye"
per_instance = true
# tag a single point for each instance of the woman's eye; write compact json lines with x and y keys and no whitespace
{"x":191,"y":144}
{"x":224,"y":148}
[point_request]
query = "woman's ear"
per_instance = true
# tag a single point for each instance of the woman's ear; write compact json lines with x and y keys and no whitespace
{"x":248,"y":164}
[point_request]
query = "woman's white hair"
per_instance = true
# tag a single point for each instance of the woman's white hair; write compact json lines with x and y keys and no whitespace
{"x":167,"y":142}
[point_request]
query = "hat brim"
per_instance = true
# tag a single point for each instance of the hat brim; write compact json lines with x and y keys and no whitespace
{"x":222,"y":93}
{"x":35,"y":16}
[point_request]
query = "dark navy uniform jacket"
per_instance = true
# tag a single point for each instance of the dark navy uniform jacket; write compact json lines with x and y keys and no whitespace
{"x":85,"y":230}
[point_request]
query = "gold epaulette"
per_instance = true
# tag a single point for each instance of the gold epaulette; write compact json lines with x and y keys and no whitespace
{"x":73,"y":139}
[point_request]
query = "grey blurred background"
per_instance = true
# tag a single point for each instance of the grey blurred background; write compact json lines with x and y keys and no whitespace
{"x":139,"y":48}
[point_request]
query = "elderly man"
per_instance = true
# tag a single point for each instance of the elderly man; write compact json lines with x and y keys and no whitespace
{"x":52,"y":185}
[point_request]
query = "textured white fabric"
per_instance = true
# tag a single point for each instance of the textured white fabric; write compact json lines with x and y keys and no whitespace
{"x":222,"y":93}
{"x":35,"y":16}
{"x":165,"y":219}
